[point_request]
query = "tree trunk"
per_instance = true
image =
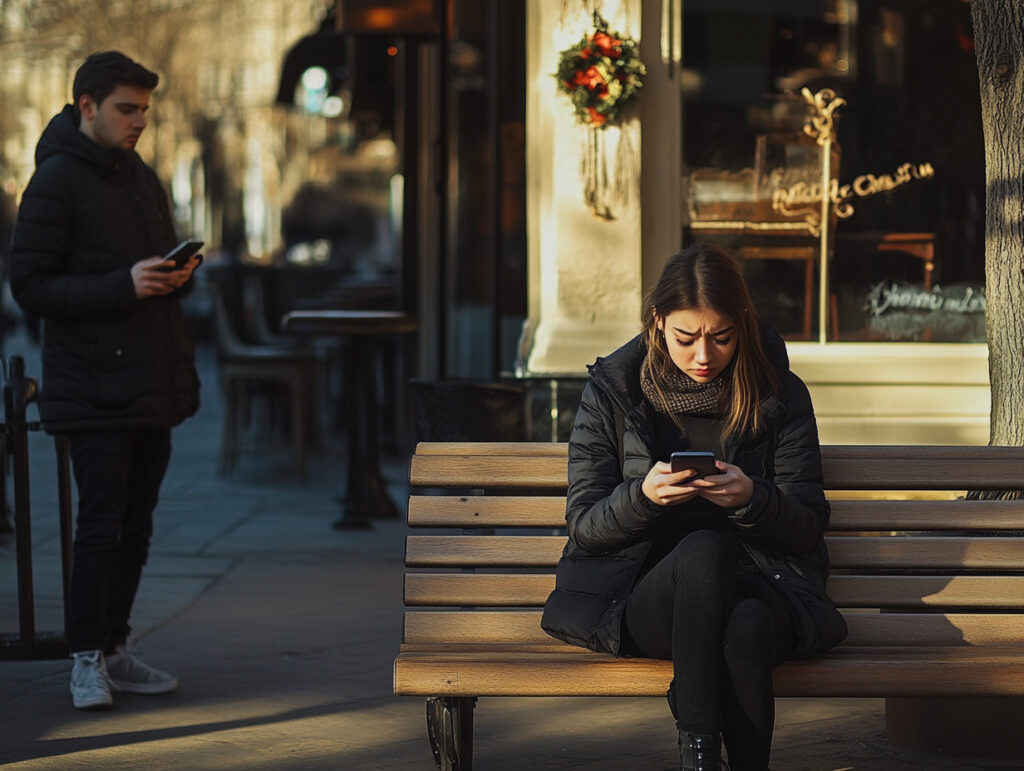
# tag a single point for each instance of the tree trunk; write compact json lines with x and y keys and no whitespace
{"x":999,"y":46}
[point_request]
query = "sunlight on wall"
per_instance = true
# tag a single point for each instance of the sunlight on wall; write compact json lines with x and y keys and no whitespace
{"x":584,"y":271}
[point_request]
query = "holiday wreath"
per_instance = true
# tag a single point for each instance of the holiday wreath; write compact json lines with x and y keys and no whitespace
{"x":602,"y":74}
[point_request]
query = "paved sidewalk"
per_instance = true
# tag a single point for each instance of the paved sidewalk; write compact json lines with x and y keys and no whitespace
{"x":283,"y":632}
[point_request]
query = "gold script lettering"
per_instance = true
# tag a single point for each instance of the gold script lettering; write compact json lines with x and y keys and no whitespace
{"x":785,"y":199}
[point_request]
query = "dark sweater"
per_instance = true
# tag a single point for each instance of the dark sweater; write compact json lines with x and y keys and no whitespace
{"x":699,"y":433}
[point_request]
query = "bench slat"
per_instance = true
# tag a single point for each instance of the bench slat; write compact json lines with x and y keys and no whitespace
{"x":487,"y":626}
{"x":478,"y":589}
{"x":468,"y":511}
{"x":932,"y":592}
{"x":523,"y":628}
{"x":926,"y":552}
{"x":482,"y":471}
{"x":888,"y":452}
{"x":846,"y":552}
{"x":444,"y":551}
{"x":486,"y":511}
{"x":847,"y":671}
{"x":554,"y":449}
{"x":909,"y":592}
{"x":878,"y":467}
{"x":927,"y":515}
{"x":924,"y":474}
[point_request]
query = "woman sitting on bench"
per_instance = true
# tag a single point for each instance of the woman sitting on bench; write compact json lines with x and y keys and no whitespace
{"x":721,"y":573}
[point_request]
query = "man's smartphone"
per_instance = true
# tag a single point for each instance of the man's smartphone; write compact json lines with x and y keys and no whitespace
{"x":180,"y":254}
{"x":703,"y":462}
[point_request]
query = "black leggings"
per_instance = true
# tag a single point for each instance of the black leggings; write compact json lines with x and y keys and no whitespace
{"x":724,"y":631}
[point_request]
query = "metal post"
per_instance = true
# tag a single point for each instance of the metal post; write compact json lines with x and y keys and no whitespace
{"x":63,"y":448}
{"x":17,"y":445}
{"x":826,"y":205}
{"x":820,"y":124}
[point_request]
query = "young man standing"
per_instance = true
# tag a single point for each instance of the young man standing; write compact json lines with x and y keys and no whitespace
{"x":118,"y":368}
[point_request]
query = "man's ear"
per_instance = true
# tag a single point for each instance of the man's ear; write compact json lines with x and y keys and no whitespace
{"x":87,"y":106}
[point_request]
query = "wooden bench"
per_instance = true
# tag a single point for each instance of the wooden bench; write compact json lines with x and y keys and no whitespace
{"x":932,"y":587}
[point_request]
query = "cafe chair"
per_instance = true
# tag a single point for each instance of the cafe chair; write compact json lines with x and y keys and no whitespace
{"x":249,"y":371}
{"x":254,"y":323}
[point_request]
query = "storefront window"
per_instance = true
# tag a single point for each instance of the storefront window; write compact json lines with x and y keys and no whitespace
{"x":484,"y":124}
{"x":906,"y":228}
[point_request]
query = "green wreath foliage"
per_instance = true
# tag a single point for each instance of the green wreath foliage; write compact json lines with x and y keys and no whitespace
{"x":602,"y":74}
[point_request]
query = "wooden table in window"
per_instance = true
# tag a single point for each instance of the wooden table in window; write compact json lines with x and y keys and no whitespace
{"x":919,"y":245}
{"x":365,"y":496}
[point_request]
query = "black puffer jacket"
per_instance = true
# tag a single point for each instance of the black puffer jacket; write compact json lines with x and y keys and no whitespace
{"x":109,"y":359}
{"x":610,"y":519}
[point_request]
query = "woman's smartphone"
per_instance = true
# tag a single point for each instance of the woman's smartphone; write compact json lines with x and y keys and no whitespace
{"x":180,"y":254}
{"x":703,"y":462}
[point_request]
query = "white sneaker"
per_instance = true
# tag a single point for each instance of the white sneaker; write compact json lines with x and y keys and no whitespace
{"x":90,"y":687}
{"x":130,"y":673}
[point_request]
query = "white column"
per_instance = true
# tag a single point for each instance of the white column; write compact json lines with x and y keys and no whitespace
{"x":586,"y":274}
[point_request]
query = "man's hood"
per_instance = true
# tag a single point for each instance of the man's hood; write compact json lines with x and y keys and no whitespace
{"x":62,"y":136}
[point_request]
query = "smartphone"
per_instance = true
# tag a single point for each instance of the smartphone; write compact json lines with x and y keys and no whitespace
{"x":703,"y":462}
{"x":180,"y":254}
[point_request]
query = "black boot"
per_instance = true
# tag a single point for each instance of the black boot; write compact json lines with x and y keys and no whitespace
{"x":700,"y":752}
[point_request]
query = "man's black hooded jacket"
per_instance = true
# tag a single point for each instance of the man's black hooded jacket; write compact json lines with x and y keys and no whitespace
{"x":110,"y":360}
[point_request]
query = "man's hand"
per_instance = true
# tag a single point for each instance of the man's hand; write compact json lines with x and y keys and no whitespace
{"x":151,"y":278}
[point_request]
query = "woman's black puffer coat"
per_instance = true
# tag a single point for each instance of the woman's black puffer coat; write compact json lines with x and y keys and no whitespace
{"x":609,"y":518}
{"x":109,"y":360}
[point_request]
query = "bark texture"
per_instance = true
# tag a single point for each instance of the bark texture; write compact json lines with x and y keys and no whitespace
{"x":999,"y":47}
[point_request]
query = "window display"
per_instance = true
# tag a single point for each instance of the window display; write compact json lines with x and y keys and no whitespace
{"x":904,"y":217}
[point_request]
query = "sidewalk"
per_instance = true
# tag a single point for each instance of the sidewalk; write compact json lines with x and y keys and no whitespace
{"x":283,"y":632}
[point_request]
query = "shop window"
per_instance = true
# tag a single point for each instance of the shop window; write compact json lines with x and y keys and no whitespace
{"x":906,"y":234}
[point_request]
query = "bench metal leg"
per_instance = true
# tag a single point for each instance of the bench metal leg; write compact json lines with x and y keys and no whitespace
{"x":450,"y":730}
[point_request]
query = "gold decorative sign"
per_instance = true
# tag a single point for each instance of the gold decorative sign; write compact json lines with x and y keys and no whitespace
{"x":820,"y":124}
{"x":796,"y":200}
{"x":791,"y":189}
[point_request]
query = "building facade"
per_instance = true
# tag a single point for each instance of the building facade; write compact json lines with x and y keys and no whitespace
{"x":425,"y":149}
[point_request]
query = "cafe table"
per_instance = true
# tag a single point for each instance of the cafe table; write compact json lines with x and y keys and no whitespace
{"x":365,"y":496}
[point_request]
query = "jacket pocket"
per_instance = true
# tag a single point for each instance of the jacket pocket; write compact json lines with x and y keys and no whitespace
{"x":586,"y":589}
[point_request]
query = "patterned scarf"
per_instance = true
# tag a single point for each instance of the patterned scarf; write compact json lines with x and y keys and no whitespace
{"x":682,"y":394}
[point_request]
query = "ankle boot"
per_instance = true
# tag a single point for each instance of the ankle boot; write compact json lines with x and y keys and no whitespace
{"x":700,"y":752}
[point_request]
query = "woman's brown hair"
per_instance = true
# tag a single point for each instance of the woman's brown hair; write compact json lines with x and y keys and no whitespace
{"x":703,"y":276}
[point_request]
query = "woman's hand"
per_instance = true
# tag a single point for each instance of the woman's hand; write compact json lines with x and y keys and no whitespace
{"x":663,"y":487}
{"x":730,"y":489}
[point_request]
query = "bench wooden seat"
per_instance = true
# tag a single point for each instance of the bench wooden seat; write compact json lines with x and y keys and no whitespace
{"x":932,"y":587}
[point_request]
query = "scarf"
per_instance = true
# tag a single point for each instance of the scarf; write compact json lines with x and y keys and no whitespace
{"x":680,"y":394}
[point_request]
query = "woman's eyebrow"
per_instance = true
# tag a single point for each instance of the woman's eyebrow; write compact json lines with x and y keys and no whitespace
{"x":717,"y":332}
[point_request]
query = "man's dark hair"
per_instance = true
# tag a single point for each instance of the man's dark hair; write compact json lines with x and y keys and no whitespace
{"x":103,"y":72}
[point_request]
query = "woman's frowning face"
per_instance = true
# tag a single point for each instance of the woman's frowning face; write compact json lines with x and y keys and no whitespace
{"x":700,"y":341}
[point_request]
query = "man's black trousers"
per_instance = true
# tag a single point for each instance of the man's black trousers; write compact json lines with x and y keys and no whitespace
{"x":118,"y":474}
